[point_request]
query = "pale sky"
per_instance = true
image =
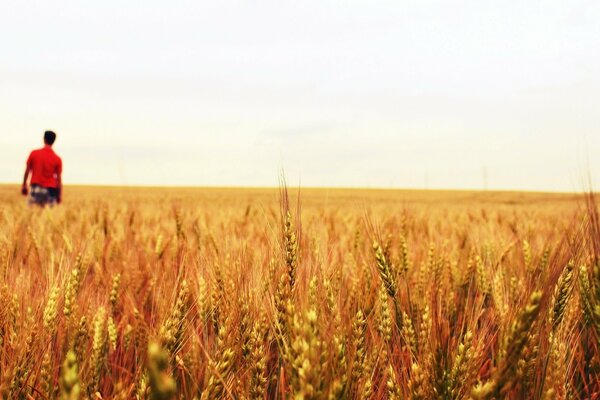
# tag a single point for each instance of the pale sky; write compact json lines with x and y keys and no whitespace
{"x":406,"y":94}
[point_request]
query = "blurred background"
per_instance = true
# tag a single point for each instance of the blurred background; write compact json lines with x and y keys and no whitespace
{"x":411,"y":94}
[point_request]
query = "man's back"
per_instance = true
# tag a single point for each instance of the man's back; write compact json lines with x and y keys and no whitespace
{"x":45,"y":166}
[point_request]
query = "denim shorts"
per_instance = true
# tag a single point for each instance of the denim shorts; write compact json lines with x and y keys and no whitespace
{"x":43,"y":196}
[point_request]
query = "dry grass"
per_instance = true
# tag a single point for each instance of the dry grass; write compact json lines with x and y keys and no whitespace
{"x":358,"y":294}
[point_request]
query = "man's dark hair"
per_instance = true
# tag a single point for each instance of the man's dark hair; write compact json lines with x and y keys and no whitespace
{"x":49,"y":137}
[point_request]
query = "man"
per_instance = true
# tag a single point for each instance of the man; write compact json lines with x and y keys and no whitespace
{"x":45,"y":168}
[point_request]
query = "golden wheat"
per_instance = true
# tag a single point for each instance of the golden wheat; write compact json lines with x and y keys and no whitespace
{"x":223,"y":293}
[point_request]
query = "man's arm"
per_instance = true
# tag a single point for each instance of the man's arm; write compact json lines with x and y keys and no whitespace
{"x":59,"y":181}
{"x":25,"y":177}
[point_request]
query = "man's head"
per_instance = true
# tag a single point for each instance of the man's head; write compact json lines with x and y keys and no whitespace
{"x":49,"y":137}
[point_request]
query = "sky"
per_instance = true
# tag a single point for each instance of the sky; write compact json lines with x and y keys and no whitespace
{"x":391,"y":94}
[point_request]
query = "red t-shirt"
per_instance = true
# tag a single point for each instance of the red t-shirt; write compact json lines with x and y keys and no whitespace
{"x":45,"y":166}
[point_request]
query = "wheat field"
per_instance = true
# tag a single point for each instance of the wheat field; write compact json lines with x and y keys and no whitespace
{"x":312,"y":294}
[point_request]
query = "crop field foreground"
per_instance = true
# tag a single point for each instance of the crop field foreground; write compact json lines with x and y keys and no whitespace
{"x":208,"y":293}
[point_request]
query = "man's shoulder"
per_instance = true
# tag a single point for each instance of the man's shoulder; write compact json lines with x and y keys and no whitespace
{"x":35,"y":152}
{"x":48,"y":152}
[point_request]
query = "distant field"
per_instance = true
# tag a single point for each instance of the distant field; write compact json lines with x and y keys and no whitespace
{"x":159,"y":293}
{"x":320,"y":197}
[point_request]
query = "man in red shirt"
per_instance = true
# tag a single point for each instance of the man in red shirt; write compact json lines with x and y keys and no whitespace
{"x":45,"y":168}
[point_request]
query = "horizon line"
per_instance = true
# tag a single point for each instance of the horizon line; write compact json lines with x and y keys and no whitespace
{"x":317,"y":187}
